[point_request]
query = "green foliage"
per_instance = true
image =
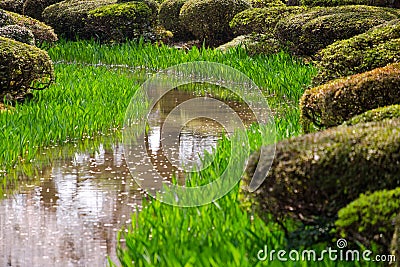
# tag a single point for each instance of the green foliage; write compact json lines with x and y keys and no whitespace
{"x":68,"y":17}
{"x":22,"y":67}
{"x":308,"y":32}
{"x":34,"y":8}
{"x":375,"y":48}
{"x":315,"y":175}
{"x":378,"y":114}
{"x":118,"y":22}
{"x":12,"y":5}
{"x":169,"y":18}
{"x":337,"y":101}
{"x":41,"y":31}
{"x":370,"y":218}
{"x":18,"y":33}
{"x":5,"y":18}
{"x":395,"y":246}
{"x":266,"y":3}
{"x":382,"y":3}
{"x":209,"y":19}
{"x":261,"y":20}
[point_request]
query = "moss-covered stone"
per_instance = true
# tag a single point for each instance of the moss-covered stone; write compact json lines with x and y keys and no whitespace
{"x":370,"y":218}
{"x":68,"y":18}
{"x":22,"y":67}
{"x":34,"y":8}
{"x":169,"y":17}
{"x":309,"y":32}
{"x":337,"y":101}
{"x":261,"y":20}
{"x":209,"y":19}
{"x":330,"y":3}
{"x":118,"y":22}
{"x":378,"y":114}
{"x":373,"y":49}
{"x":18,"y":33}
{"x":254,"y":44}
{"x":313,"y":176}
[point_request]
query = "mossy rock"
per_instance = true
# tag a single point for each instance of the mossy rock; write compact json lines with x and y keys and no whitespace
{"x":208,"y":20}
{"x":308,"y":32}
{"x":337,"y":101}
{"x":370,"y":218}
{"x":68,"y":18}
{"x":261,"y":20}
{"x":23,"y":67}
{"x":41,"y":31}
{"x":34,"y":8}
{"x":12,"y":5}
{"x":331,"y":3}
{"x":18,"y":33}
{"x":378,"y":114}
{"x":373,"y":49}
{"x":254,"y":44}
{"x":266,"y":3}
{"x":315,"y":175}
{"x":168,"y":16}
{"x":118,"y":22}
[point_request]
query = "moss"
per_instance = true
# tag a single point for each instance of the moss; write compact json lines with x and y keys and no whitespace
{"x":22,"y":67}
{"x":18,"y":33}
{"x":41,"y":31}
{"x":261,"y":20}
{"x":337,"y":101}
{"x":68,"y":17}
{"x":34,"y":8}
{"x":169,"y":17}
{"x":309,"y":32}
{"x":266,"y":3}
{"x":382,"y":3}
{"x":254,"y":44}
{"x":5,"y":19}
{"x":375,"y":48}
{"x":118,"y":22}
{"x":315,"y":175}
{"x":370,"y":218}
{"x":378,"y":114}
{"x":12,"y":5}
{"x":395,"y":246}
{"x":209,"y":19}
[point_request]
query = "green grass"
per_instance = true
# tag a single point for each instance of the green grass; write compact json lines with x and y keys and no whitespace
{"x":89,"y":98}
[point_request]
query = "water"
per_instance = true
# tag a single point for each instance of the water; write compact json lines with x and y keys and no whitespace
{"x":68,"y":210}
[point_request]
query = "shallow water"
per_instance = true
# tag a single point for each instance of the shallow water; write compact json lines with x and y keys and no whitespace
{"x":68,"y":211}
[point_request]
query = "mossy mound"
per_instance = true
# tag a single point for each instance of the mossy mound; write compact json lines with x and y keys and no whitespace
{"x":330,"y":3}
{"x":34,"y":8}
{"x":118,"y":22}
{"x":309,"y":32}
{"x":378,"y":114}
{"x":254,"y":44}
{"x":5,"y":18}
{"x":22,"y":67}
{"x":370,"y":218}
{"x":68,"y":17}
{"x":373,"y":49}
{"x":315,"y":175}
{"x":266,"y":3}
{"x":208,"y":20}
{"x":261,"y":20}
{"x":18,"y":33}
{"x":12,"y":5}
{"x":337,"y":101}
{"x":168,"y":16}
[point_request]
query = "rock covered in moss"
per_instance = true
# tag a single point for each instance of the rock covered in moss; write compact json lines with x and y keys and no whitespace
{"x":23,"y":67}
{"x":378,"y":114}
{"x":254,"y":44}
{"x":315,"y":175}
{"x":209,"y":19}
{"x":370,"y":218}
{"x":337,"y":101}
{"x":307,"y":33}
{"x":373,"y":49}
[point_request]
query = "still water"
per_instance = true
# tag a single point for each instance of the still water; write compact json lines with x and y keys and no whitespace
{"x":68,"y":210}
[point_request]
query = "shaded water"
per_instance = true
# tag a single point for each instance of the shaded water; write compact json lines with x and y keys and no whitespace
{"x":68,"y":211}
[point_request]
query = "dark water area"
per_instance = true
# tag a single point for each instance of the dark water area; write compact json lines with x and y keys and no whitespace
{"x":68,"y":208}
